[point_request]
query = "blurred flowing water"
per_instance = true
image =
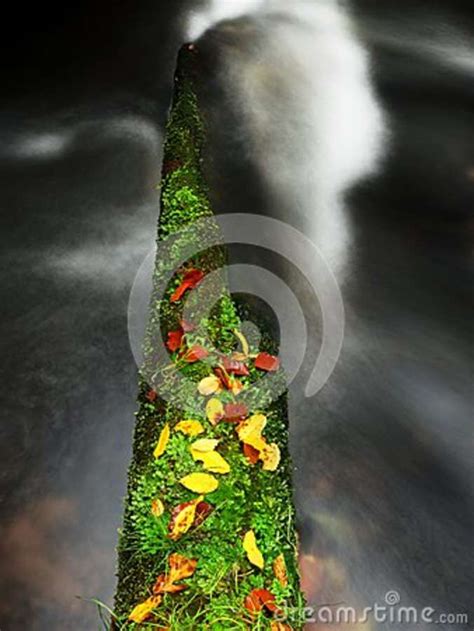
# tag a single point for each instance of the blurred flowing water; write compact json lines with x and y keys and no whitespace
{"x":383,"y":454}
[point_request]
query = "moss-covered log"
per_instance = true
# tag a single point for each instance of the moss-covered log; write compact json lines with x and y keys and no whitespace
{"x":166,"y":522}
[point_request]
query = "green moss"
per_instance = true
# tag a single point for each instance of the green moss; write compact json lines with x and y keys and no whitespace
{"x":248,"y":497}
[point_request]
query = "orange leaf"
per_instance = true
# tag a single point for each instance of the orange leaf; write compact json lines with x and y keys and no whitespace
{"x":181,"y":567}
{"x":279,"y":569}
{"x":279,"y":626}
{"x":267,"y":362}
{"x":192,"y":278}
{"x":260,"y":598}
{"x":144,"y":610}
{"x":252,"y":454}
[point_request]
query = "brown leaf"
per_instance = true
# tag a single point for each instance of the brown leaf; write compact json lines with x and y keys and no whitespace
{"x":224,"y":377}
{"x":190,"y":280}
{"x":267,"y":362}
{"x":182,"y":518}
{"x":151,"y":395}
{"x":235,"y":412}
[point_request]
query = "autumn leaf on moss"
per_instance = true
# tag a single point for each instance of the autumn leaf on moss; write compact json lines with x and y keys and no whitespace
{"x":190,"y":280}
{"x":200,"y":483}
{"x":162,"y":442}
{"x":182,"y":518}
{"x":189,"y":428}
{"x":267,"y":362}
{"x":157,"y":508}
{"x":253,"y":553}
{"x":143,"y":611}
{"x":250,"y":431}
{"x":204,"y":445}
{"x":175,"y":339}
{"x":270,"y":456}
{"x":243,"y":341}
{"x":235,"y":367}
{"x":213,"y":461}
{"x":235,"y":412}
{"x":279,"y":569}
{"x":214,"y":411}
{"x":151,"y":395}
{"x":259,"y":599}
{"x":195,"y":354}
{"x":180,"y":568}
{"x":209,"y":385}
{"x":224,"y":377}
{"x":252,"y":454}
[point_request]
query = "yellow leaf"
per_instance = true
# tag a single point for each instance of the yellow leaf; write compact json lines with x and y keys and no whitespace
{"x":209,"y":385}
{"x":253,"y":426}
{"x":143,"y":611}
{"x":157,"y":508}
{"x":189,"y":428}
{"x":183,"y":518}
{"x":214,"y":411}
{"x":253,"y":553}
{"x":245,"y":345}
{"x":212,"y":461}
{"x":237,"y":387}
{"x":279,"y":569}
{"x":162,"y":441}
{"x":204,"y":445}
{"x":200,"y":482}
{"x":270,"y":456}
{"x":250,"y":432}
{"x":279,"y":626}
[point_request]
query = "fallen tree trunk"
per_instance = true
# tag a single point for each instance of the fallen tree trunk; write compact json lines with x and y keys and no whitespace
{"x":209,"y":538}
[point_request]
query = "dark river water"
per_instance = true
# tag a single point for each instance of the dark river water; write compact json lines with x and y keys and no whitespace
{"x":384,"y":478}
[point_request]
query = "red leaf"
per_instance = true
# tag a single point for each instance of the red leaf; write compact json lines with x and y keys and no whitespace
{"x":224,"y":377}
{"x":235,"y":367}
{"x":151,"y":395}
{"x":195,"y":354}
{"x":192,"y":278}
{"x":175,"y":339}
{"x":235,"y":412}
{"x":203,"y":510}
{"x":251,"y":453}
{"x":267,"y":362}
